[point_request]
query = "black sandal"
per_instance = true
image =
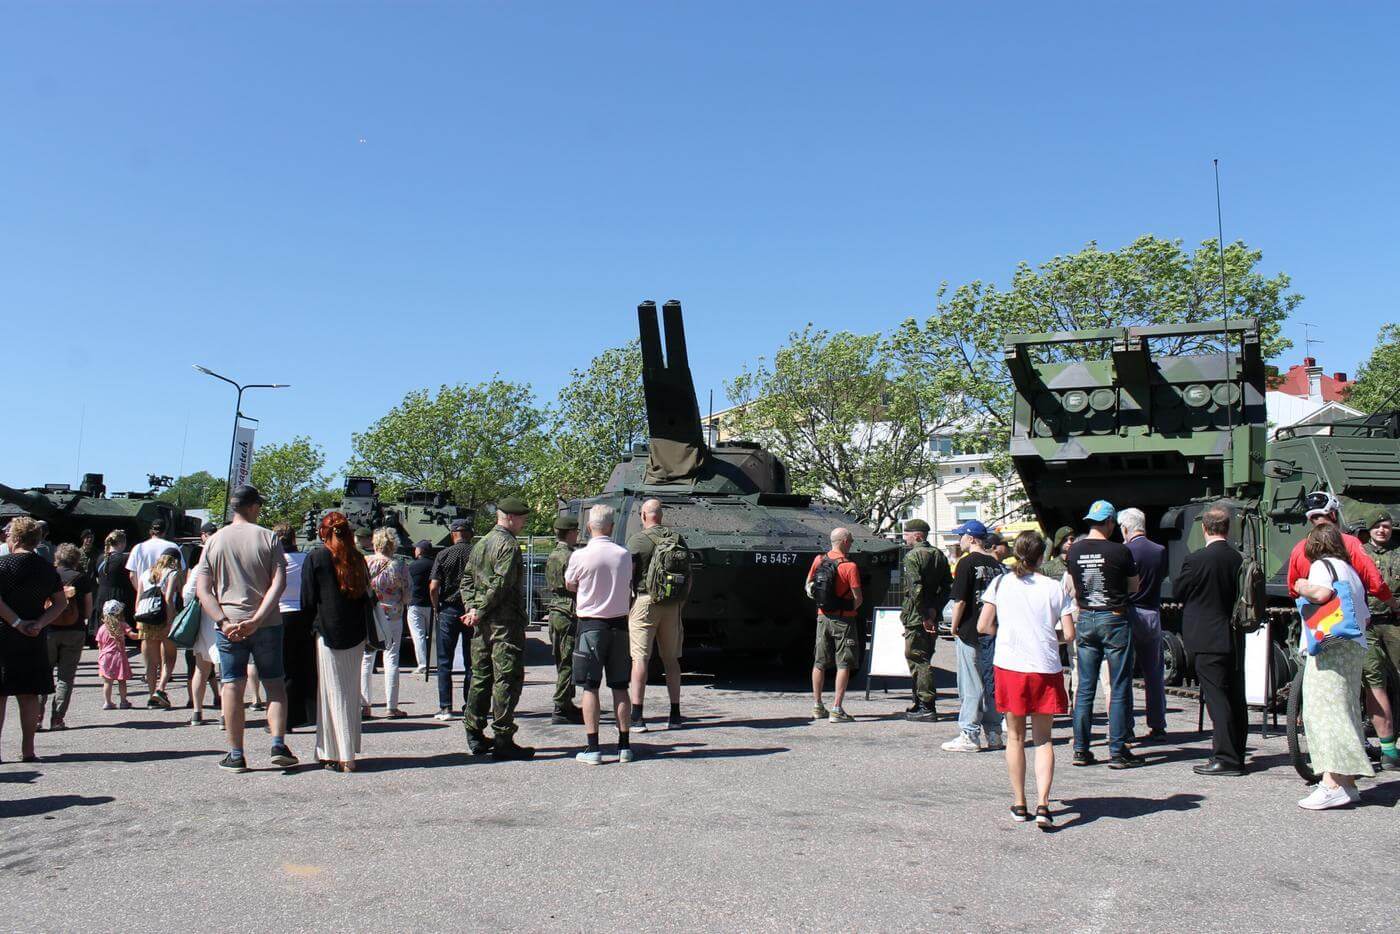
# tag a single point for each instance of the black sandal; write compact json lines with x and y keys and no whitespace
{"x":1043,"y":820}
{"x":1019,"y":814}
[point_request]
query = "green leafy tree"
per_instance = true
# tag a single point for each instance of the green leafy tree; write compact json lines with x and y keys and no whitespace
{"x":1378,"y":382}
{"x":291,"y":479}
{"x":599,"y":414}
{"x":850,"y":417}
{"x":199,"y":490}
{"x":479,"y":442}
{"x":1149,"y":281}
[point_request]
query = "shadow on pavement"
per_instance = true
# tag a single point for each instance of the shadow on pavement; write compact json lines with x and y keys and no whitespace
{"x":1385,"y":795}
{"x":152,"y":755}
{"x":19,"y":778}
{"x":47,"y":804}
{"x":381,"y":725}
{"x":651,"y":750}
{"x":1088,"y":810}
{"x":763,"y":723}
{"x":140,"y":724}
{"x":394,"y":763}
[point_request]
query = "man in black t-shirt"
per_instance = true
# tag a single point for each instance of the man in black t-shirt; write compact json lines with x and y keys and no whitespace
{"x":977,"y":714}
{"x":1103,"y":576}
{"x":444,"y":592}
{"x":420,"y":601}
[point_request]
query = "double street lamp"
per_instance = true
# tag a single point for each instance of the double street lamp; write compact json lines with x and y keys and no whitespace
{"x":237,"y":415}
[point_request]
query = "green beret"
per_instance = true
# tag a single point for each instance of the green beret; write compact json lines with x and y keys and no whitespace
{"x":513,"y":506}
{"x":1376,"y":516}
{"x":565,"y":524}
{"x":1062,"y":533}
{"x":916,"y":525}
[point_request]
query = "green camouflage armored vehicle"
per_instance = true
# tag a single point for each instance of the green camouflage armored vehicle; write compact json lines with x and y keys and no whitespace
{"x":751,"y":539}
{"x":1170,"y":419}
{"x":420,"y":514}
{"x":69,"y":511}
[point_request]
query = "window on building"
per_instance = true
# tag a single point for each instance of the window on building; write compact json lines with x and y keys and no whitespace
{"x":940,"y":444}
{"x":967,"y":512}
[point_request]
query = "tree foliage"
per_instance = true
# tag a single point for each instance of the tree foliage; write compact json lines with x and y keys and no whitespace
{"x":600,"y":413}
{"x":1378,"y":381}
{"x":291,"y":480}
{"x":1149,"y":281}
{"x":480,"y":442}
{"x":198,"y":490}
{"x":850,"y":416}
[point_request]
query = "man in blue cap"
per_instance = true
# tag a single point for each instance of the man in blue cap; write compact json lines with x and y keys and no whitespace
{"x":1103,"y":576}
{"x":977,"y":713}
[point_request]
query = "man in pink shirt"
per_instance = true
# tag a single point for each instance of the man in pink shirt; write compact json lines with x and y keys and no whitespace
{"x":601,"y":574}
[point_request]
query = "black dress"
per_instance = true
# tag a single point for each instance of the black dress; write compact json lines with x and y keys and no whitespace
{"x":27,"y":582}
{"x":113,"y":583}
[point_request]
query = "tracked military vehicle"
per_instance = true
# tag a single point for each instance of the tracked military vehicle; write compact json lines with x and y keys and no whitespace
{"x":69,"y":511}
{"x":419,"y":515}
{"x":751,"y":539}
{"x":1170,"y":419}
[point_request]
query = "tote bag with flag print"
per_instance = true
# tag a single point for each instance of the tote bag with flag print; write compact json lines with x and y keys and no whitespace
{"x":1334,"y":619}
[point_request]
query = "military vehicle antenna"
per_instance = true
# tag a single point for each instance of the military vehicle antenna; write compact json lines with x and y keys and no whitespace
{"x":1225,"y":313}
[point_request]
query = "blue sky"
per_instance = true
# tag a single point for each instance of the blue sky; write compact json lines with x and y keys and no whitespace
{"x":186,"y":183}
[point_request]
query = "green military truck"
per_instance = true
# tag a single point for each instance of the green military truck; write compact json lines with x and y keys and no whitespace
{"x":1171,"y":418}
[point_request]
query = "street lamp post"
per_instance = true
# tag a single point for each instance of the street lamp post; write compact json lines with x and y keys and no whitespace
{"x":237,"y":414}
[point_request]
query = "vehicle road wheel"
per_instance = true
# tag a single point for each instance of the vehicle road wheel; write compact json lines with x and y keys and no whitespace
{"x":1173,"y":659}
{"x":1297,"y":745}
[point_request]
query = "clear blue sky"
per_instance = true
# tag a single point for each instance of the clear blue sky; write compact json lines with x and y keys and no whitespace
{"x":187,"y":183}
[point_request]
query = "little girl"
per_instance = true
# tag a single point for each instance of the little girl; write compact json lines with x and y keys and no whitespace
{"x":112,"y":663}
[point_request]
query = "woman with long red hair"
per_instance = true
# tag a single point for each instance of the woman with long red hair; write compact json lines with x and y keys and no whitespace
{"x":335,"y":594}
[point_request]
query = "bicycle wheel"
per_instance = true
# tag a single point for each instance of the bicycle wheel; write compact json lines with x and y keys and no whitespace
{"x":1297,"y":746}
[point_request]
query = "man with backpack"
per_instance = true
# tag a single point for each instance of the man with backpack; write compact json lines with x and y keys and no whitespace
{"x":660,"y":583}
{"x":833,"y":583}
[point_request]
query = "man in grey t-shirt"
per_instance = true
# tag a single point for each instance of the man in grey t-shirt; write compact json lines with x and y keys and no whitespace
{"x":242,"y":575}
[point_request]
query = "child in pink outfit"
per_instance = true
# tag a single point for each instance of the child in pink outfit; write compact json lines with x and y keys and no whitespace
{"x":112,"y":663}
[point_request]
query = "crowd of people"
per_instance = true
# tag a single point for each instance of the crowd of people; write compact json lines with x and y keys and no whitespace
{"x":1033,"y":624}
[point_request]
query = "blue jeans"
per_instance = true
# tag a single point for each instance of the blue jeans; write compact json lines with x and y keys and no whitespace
{"x":449,"y":632}
{"x":1104,"y":635}
{"x":986,"y":651}
{"x":977,"y":710}
{"x":265,"y":648}
{"x":1147,"y":648}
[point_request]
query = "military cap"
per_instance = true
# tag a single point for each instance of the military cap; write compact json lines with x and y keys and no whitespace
{"x":423,"y":545}
{"x":1376,"y":516}
{"x":916,"y":525}
{"x":513,"y":506}
{"x":565,"y":524}
{"x":460,"y":525}
{"x":1058,"y":541}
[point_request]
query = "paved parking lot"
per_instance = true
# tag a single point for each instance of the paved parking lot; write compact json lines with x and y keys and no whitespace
{"x":751,"y":817}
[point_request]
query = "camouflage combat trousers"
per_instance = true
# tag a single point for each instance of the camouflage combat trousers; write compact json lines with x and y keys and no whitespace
{"x":498,"y":674}
{"x":563,"y":636}
{"x":919,"y":645}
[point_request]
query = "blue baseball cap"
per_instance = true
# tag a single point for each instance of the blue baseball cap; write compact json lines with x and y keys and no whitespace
{"x":971,"y":527}
{"x":1101,"y":510}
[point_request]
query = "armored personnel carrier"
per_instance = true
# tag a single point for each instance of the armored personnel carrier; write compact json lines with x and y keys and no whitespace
{"x":751,"y":539}
{"x":69,"y":511}
{"x":420,"y":514}
{"x":1106,"y":414}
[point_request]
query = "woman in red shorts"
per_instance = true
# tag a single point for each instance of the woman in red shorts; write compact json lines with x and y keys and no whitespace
{"x":1022,"y":609}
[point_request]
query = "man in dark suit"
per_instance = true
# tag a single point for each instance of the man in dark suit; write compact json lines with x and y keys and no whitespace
{"x":1208,"y":587}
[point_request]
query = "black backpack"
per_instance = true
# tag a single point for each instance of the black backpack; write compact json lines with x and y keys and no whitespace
{"x":824,"y":586}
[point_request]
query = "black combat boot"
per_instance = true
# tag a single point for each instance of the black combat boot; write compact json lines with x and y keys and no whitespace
{"x":505,"y":750}
{"x":922,"y":713}
{"x":478,"y":744}
{"x":566,"y":714}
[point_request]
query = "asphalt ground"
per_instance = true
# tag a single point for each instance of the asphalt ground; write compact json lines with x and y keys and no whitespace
{"x":750,"y":817}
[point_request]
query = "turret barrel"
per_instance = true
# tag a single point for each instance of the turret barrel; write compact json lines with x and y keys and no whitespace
{"x":677,"y":450}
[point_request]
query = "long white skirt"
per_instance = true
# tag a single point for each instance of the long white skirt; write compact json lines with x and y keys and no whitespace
{"x":338,"y":702}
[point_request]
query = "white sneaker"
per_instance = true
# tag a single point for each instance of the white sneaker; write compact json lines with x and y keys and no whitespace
{"x":420,"y":670}
{"x":994,"y":741}
{"x":443,"y":714}
{"x":961,"y":743}
{"x":1324,"y":798}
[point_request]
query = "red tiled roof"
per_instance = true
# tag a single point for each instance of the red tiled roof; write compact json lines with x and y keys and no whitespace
{"x":1295,"y":383}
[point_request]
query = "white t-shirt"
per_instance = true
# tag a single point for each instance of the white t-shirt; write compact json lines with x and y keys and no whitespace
{"x":291,"y":597}
{"x":145,"y":555}
{"x":1346,"y":577}
{"x":1028,"y":609}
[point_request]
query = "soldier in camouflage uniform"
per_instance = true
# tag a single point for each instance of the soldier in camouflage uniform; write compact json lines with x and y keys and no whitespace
{"x":563,"y":621}
{"x":1054,"y":566}
{"x":1382,"y":665}
{"x":927,"y":583}
{"x":495,"y":612}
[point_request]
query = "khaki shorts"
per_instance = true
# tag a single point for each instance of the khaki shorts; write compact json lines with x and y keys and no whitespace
{"x":152,"y":631}
{"x":1382,"y":654}
{"x":838,"y":643}
{"x":659,"y":622}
